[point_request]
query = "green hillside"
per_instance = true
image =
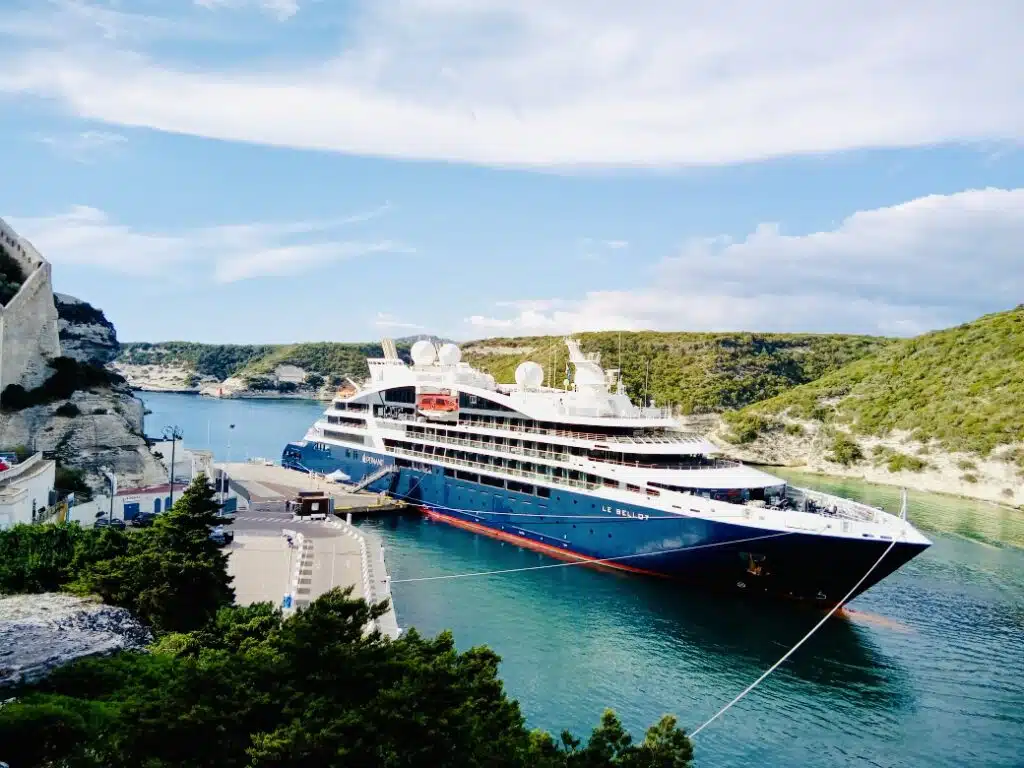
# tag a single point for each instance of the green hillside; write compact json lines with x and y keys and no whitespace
{"x":255,"y":360}
{"x":962,"y":386}
{"x":698,"y":372}
{"x":220,"y":360}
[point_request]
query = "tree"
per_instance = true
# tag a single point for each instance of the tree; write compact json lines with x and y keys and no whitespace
{"x":173,"y":576}
{"x":314,"y":380}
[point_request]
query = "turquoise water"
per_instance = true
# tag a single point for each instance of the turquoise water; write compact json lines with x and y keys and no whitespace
{"x":926,"y":669}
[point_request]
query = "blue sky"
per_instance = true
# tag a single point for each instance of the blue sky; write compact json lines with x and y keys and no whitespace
{"x":285,"y":170}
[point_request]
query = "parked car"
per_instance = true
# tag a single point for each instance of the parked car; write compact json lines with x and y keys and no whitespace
{"x":117,"y":523}
{"x":144,"y":520}
{"x":222,"y":535}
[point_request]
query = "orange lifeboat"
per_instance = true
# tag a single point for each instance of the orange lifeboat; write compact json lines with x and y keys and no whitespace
{"x":437,"y":403}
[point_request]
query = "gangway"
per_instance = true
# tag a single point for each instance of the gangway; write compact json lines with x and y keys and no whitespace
{"x":373,"y":477}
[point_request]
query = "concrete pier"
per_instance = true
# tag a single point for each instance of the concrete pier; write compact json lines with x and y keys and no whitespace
{"x":269,"y":486}
{"x":324,"y":555}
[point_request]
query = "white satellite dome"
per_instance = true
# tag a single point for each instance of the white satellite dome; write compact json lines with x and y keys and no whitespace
{"x":449,"y":354}
{"x":423,"y":353}
{"x":529,"y":375}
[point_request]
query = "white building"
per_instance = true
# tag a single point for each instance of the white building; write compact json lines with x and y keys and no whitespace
{"x":25,"y":490}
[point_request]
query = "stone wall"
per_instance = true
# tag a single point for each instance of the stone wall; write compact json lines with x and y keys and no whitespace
{"x":28,"y":323}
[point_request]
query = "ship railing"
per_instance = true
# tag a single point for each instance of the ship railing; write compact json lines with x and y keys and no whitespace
{"x":680,"y":465}
{"x":680,"y":439}
{"x":569,"y":458}
{"x":503,"y":471}
{"x":836,"y":506}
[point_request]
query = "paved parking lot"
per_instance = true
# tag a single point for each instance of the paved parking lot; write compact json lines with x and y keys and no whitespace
{"x":262,"y":566}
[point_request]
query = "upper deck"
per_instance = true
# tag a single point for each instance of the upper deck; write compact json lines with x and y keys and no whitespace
{"x":592,"y":397}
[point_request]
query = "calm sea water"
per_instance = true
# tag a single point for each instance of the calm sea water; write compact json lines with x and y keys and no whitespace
{"x":926,"y":669}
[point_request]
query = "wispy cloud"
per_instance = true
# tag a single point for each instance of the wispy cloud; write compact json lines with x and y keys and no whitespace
{"x":85,"y":146}
{"x":88,"y":236}
{"x":927,"y":263}
{"x":386,"y":320}
{"x":570,"y":84}
{"x":282,"y":10}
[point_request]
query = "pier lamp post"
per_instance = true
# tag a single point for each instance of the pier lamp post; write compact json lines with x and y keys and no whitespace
{"x":173,"y":434}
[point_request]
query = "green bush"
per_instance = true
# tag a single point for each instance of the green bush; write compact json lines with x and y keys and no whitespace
{"x":794,"y":430}
{"x":899,"y":462}
{"x":11,"y":277}
{"x":69,"y":376}
{"x":845,"y":450}
{"x":969,"y":477}
{"x":746,"y":428}
{"x":70,"y":480}
{"x":967,"y":465}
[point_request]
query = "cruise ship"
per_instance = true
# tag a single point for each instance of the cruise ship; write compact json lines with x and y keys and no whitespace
{"x":581,"y":473}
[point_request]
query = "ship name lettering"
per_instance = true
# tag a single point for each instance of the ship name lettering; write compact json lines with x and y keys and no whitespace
{"x":373,"y":460}
{"x":626,"y":513}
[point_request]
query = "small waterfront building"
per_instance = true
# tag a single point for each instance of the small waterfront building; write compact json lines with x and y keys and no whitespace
{"x":129,"y":503}
{"x":26,"y":490}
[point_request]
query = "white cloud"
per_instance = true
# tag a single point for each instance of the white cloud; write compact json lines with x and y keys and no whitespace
{"x":386,"y":320}
{"x":280,"y":9}
{"x":927,"y":263}
{"x":89,"y":237}
{"x":579,"y":82}
{"x":85,"y":146}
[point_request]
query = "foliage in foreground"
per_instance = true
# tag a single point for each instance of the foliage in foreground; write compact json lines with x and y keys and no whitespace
{"x":232,"y":686}
{"x":253,"y":689}
{"x":171,"y":575}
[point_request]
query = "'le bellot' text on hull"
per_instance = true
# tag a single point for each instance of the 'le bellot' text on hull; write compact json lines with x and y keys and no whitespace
{"x":577,"y":526}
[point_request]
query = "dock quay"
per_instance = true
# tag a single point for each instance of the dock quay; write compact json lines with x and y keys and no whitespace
{"x":321,"y":554}
{"x":267,"y":487}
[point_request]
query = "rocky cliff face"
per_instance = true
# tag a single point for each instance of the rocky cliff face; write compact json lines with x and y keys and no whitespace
{"x":106,"y":432}
{"x":85,"y":332}
{"x":41,"y":632}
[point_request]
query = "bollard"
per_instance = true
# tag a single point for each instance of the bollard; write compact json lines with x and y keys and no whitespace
{"x":348,"y":518}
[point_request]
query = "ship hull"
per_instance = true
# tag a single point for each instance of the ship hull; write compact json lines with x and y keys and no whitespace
{"x":628,"y":537}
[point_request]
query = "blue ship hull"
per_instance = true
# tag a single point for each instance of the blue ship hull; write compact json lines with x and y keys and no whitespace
{"x":631,"y":537}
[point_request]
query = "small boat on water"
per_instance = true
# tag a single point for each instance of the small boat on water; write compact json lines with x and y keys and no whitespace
{"x":581,"y":473}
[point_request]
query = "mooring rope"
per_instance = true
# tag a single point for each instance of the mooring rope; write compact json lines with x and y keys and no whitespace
{"x":588,"y":561}
{"x":792,"y":650}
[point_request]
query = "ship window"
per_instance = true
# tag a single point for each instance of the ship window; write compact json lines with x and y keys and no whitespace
{"x":492,"y":481}
{"x":653,"y":492}
{"x":449,"y":472}
{"x":544,"y":492}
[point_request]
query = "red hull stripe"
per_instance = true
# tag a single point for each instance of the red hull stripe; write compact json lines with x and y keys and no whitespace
{"x":547,"y":549}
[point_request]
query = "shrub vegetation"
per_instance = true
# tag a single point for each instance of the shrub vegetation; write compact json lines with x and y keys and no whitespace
{"x":244,"y":686}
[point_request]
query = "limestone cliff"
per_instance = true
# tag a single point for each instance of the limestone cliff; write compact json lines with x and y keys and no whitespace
{"x":106,"y":431}
{"x":85,"y":332}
